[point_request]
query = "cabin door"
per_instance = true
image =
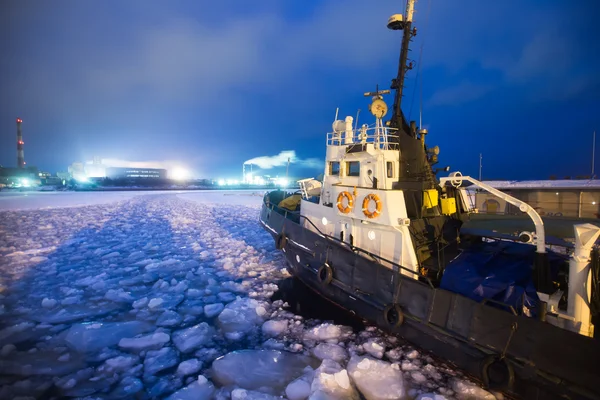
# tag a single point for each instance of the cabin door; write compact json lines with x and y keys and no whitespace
{"x":343,"y":232}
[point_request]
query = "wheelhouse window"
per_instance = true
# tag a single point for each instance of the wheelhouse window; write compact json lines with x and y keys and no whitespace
{"x":390,"y":169}
{"x":353,"y":168}
{"x":334,"y":168}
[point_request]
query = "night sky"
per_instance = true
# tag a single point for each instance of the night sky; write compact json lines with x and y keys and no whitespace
{"x":209,"y":85}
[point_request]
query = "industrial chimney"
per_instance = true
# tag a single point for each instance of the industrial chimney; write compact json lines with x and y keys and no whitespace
{"x":20,"y":143}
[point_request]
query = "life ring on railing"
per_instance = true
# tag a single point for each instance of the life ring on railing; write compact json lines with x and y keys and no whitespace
{"x":325,"y":274}
{"x":281,"y":241}
{"x":340,"y":202}
{"x":497,"y":373}
{"x":378,"y":205}
{"x":393,"y":315}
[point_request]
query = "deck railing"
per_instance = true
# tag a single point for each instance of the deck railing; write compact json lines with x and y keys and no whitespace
{"x":383,"y":138}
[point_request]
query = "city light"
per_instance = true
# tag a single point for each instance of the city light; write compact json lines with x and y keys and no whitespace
{"x":282,"y":182}
{"x":179,"y":174}
{"x":254,"y":180}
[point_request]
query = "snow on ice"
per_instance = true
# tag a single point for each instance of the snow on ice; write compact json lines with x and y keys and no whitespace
{"x":168,"y":295}
{"x":377,"y":379}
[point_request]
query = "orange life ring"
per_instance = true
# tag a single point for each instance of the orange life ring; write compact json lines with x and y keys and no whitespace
{"x":345,"y":209}
{"x":378,"y":205}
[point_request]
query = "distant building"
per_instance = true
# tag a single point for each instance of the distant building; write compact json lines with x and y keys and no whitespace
{"x":19,"y":177}
{"x":76,"y":171}
{"x":146,"y":173}
{"x":63,"y":175}
{"x":558,"y":198}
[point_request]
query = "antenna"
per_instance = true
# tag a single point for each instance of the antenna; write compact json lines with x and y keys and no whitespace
{"x":480,"y":166}
{"x":420,"y":74}
{"x":287,"y":168}
{"x":404,"y":23}
{"x":356,"y":121}
{"x":337,"y":110}
{"x":593,"y":152}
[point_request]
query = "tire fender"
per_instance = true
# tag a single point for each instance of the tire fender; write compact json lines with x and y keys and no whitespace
{"x":281,"y":241}
{"x":393,"y":315}
{"x":325,"y":274}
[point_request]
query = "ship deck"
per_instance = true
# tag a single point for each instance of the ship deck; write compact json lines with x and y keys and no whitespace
{"x":559,"y":230}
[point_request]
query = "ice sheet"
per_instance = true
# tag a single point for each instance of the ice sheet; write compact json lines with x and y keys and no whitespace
{"x":254,"y":369}
{"x":90,"y":297}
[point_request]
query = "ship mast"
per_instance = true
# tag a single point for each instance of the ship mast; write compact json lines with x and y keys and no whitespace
{"x":404,"y":23}
{"x":415,"y":174}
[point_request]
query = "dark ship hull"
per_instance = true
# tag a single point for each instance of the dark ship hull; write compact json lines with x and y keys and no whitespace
{"x":520,"y":356}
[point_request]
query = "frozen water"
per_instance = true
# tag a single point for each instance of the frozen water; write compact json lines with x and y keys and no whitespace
{"x":328,"y":332}
{"x":91,"y":337}
{"x":377,"y":379}
{"x":226,"y":297}
{"x":141,"y":303}
{"x":430,"y":396}
{"x":467,"y":390}
{"x":127,"y":388}
{"x":189,"y":339}
{"x":332,"y":382}
{"x":274,"y":328}
{"x":16,"y":333}
{"x":300,"y":388}
{"x":169,"y":318}
{"x":412,"y":355}
{"x":373,"y":348}
{"x":119,"y":295}
{"x":83,"y":383}
{"x":91,"y":295}
{"x":189,"y":367}
{"x":149,"y":342}
{"x":33,"y":387}
{"x":200,"y":389}
{"x":330,"y":351}
{"x":164,"y":386}
{"x":158,"y":360}
{"x":212,"y":310}
{"x":73,"y":313}
{"x":46,"y":362}
{"x":156,"y":302}
{"x":119,"y":364}
{"x":241,"y":316}
{"x":253,"y":369}
{"x":243,"y":394}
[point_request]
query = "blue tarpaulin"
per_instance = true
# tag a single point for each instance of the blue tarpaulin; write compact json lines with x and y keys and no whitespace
{"x":500,"y":271}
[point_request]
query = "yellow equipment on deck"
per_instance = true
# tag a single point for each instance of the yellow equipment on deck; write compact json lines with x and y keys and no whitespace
{"x":290,"y":203}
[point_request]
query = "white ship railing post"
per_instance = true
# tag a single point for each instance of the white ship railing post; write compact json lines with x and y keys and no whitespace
{"x":580,"y":290}
{"x":524,"y":207}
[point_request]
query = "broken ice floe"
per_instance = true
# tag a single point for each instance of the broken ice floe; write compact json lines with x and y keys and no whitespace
{"x":137,"y":299}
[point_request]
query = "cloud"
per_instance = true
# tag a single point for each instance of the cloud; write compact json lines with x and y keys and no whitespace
{"x":182,"y":57}
{"x":281,"y":159}
{"x":534,"y":48}
{"x":457,"y":95}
